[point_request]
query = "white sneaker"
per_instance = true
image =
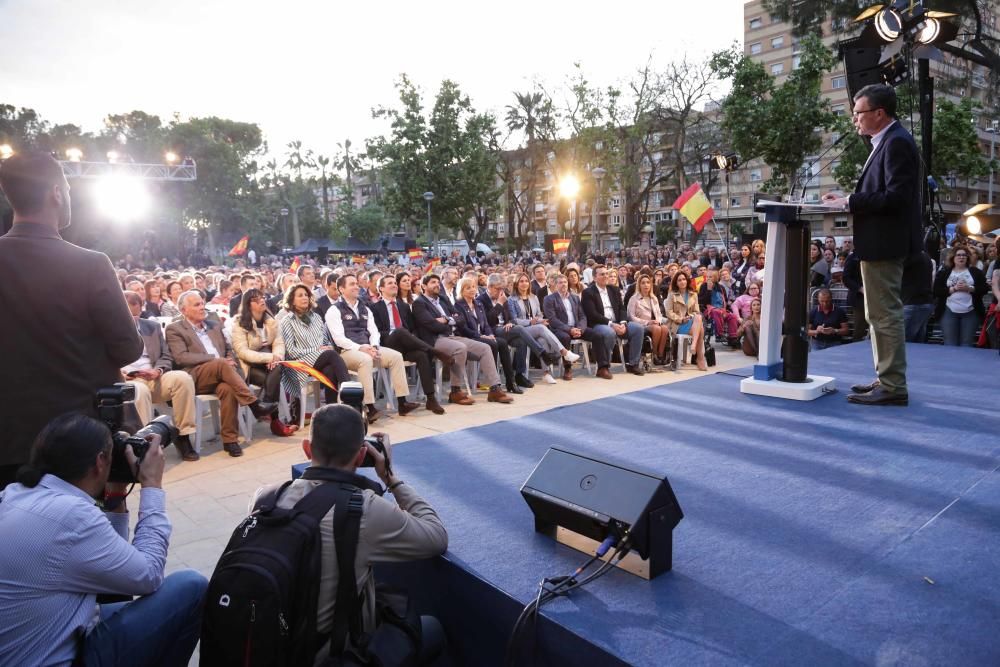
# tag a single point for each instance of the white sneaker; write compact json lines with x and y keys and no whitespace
{"x":571,"y":357}
{"x":549,"y":379}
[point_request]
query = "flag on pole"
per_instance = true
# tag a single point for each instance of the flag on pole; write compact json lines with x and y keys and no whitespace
{"x":303,"y":367}
{"x":240,"y":247}
{"x":560,"y":246}
{"x":431,"y":264}
{"x":694,"y":205}
{"x":415,"y":253}
{"x":358,"y":259}
{"x":295,"y":265}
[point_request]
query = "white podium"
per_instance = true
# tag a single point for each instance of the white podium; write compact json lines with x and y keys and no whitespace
{"x":786,"y":273}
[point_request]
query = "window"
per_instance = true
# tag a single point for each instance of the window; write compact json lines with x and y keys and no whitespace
{"x":716,"y":203}
{"x":796,"y":61}
{"x":840,"y":223}
{"x":755,"y":23}
{"x":614,"y":202}
{"x":777,"y":68}
{"x":755,"y":175}
{"x":734,"y":201}
{"x":755,"y":49}
{"x":838,"y":82}
{"x":796,"y":44}
{"x":616,"y":221}
{"x":837,"y":109}
{"x":599,"y":146}
{"x":777,"y":42}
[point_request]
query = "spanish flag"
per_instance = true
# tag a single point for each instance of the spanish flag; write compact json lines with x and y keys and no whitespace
{"x":303,"y":367}
{"x":431,"y":264}
{"x":295,"y":265}
{"x":358,"y":259}
{"x":415,"y":253}
{"x":560,"y":246}
{"x":694,"y":205}
{"x":240,"y":247}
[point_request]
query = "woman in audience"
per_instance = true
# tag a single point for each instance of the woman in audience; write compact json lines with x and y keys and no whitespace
{"x":259,"y":348}
{"x":472,"y":324}
{"x":741,"y":306}
{"x":658,"y":277}
{"x":681,"y":308}
{"x":750,"y":330}
{"x":726,"y":284}
{"x":819,"y":274}
{"x":523,"y":309}
{"x":743,"y":265}
{"x":573,"y":281}
{"x":151,"y":308}
{"x":756,"y":272}
{"x":644,"y":309}
{"x":404,"y":283}
{"x":168,"y":308}
{"x":308,"y":340}
{"x":959,"y":289}
{"x":757,"y":248}
{"x":715,"y":307}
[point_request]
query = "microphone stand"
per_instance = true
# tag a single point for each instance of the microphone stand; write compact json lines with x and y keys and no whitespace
{"x":808,"y":169}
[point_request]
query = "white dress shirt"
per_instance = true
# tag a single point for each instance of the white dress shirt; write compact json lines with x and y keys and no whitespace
{"x":568,"y":305}
{"x":609,"y":312}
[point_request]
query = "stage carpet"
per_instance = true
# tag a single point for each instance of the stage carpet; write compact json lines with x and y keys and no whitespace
{"x":818,"y":533}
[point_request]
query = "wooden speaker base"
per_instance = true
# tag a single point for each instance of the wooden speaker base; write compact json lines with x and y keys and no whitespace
{"x":632,"y":562}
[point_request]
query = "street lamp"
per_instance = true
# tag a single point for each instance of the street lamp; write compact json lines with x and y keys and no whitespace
{"x":725,"y":163}
{"x":569,"y":188}
{"x":598,"y":173}
{"x":284,"y":225}
{"x":428,"y":197}
{"x":6,"y":151}
{"x":74,"y":154}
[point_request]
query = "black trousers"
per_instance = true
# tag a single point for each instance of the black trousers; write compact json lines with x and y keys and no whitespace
{"x":596,"y":345}
{"x":417,"y":351}
{"x":330,"y":364}
{"x":270,"y":380}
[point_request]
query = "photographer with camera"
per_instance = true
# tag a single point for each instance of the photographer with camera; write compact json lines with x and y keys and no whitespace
{"x":381,"y":531}
{"x":61,"y":549}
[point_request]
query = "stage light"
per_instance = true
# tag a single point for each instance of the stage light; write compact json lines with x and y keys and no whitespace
{"x":113,"y":156}
{"x":719,"y":161}
{"x":888,"y":25}
{"x":972,"y":224}
{"x":6,"y":151}
{"x":170,"y":157}
{"x":122,"y":198}
{"x":569,"y":187}
{"x":74,"y":154}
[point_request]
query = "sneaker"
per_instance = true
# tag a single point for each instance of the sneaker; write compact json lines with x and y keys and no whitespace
{"x":571,"y":357}
{"x":549,"y":379}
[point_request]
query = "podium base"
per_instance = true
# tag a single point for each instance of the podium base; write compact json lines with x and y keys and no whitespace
{"x":813,"y":388}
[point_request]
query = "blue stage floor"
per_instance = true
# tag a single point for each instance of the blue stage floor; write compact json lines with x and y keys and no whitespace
{"x":818,"y":533}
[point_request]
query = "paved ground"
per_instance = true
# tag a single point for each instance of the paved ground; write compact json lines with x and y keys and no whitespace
{"x":207,"y":499}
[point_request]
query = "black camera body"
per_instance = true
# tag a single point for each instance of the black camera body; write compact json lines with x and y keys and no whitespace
{"x":110,"y":403}
{"x":353,"y":395}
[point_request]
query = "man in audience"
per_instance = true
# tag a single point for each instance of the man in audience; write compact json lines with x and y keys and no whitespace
{"x":155,"y":380}
{"x":247,"y":281}
{"x":435,"y":319}
{"x":371,"y":295}
{"x":353,"y":330}
{"x":285,"y":281}
{"x":449,"y":284}
{"x":918,"y":296}
{"x":494,"y":300}
{"x":855,"y":295}
{"x":602,"y":304}
{"x":68,"y":330}
{"x":307,"y":276}
{"x":199,"y":348}
{"x":61,"y":549}
{"x":568,"y":322}
{"x":408,"y":529}
{"x":332,"y":294}
{"x":539,"y":286}
{"x":827,"y":322}
{"x":394,"y":321}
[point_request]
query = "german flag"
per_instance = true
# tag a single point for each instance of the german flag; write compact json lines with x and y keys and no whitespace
{"x":303,"y":367}
{"x":415,"y":253}
{"x":560,"y":246}
{"x":694,"y":205}
{"x":240,"y":247}
{"x":431,"y":264}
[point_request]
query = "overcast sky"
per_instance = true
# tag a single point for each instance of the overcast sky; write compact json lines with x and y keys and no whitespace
{"x":313,"y":70}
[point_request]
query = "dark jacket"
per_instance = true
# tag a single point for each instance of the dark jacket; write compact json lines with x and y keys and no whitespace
{"x":852,"y":281}
{"x":980,"y":287}
{"x":68,"y":333}
{"x":380,"y":311}
{"x":555,"y":313}
{"x":469,"y":326}
{"x":496,"y":314}
{"x":886,"y":201}
{"x":593,"y":307}
{"x":156,"y":347}
{"x":425,"y":316}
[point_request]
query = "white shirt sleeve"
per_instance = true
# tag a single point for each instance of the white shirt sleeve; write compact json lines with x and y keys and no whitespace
{"x":336,"y":326}
{"x":373,"y":335}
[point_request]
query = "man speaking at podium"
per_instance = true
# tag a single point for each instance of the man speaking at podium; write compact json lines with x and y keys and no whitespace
{"x":886,"y":208}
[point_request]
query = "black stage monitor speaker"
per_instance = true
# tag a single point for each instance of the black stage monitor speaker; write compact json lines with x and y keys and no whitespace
{"x":321,"y":254}
{"x":861,"y":64}
{"x":593,"y":499}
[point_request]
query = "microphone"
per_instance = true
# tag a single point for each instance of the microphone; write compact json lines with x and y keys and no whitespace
{"x":819,"y":157}
{"x":932,"y":184}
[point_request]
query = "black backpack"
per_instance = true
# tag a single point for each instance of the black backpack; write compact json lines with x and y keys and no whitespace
{"x":260,"y":607}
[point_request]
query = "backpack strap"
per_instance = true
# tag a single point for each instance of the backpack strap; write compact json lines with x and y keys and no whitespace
{"x":347,"y":608}
{"x":268,"y":498}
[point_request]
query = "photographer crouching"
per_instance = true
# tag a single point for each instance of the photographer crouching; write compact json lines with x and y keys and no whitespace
{"x":65,"y":541}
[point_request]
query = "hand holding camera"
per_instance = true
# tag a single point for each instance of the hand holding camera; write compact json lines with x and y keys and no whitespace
{"x":379,"y":457}
{"x":151,"y":465}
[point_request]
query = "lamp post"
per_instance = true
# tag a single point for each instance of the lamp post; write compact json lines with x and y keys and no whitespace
{"x":596,"y":239}
{"x":428,"y":196}
{"x":993,"y":129}
{"x":284,"y":226}
{"x":726,"y":164}
{"x":569,"y":188}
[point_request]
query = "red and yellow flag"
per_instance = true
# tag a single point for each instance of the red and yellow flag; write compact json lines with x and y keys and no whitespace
{"x":560,"y":246}
{"x":303,"y":367}
{"x":416,"y":253}
{"x":358,"y":259}
{"x":694,"y":205}
{"x":431,"y":264}
{"x":240,"y":247}
{"x":295,"y":265}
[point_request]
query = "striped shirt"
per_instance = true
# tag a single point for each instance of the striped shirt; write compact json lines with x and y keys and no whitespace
{"x":57,"y":552}
{"x":302,"y":343}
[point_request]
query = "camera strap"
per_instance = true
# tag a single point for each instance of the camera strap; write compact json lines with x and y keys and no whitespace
{"x":322,"y":474}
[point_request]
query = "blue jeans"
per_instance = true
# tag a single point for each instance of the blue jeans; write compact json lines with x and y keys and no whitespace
{"x":815,"y":344}
{"x":959,"y":328}
{"x":158,"y":629}
{"x":915,"y":320}
{"x":633,"y":334}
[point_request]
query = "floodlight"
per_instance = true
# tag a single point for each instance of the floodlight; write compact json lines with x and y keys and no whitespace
{"x":972,"y":224}
{"x":74,"y":154}
{"x":868,"y":13}
{"x":888,"y":25}
{"x":113,"y":156}
{"x":170,"y":157}
{"x":569,"y":187}
{"x":6,"y":151}
{"x":122,"y":198}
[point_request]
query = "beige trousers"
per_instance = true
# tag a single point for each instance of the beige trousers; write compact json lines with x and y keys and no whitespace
{"x":174,"y":386}
{"x":362,"y":363}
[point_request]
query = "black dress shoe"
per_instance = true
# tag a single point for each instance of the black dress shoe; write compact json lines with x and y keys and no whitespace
{"x":522,"y":381}
{"x":186,"y":449}
{"x":864,"y":388}
{"x":634,"y":370}
{"x":880,"y":396}
{"x":233,"y":448}
{"x":512,"y":388}
{"x":260,"y":409}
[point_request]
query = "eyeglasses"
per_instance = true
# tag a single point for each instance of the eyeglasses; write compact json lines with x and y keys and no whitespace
{"x":855,"y":114}
{"x":960,"y":254}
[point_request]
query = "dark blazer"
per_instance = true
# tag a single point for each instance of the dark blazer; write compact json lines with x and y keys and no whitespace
{"x":979,"y":288}
{"x":555,"y":312}
{"x":185,"y":347}
{"x":853,"y":282}
{"x":469,"y":326}
{"x":886,"y":201}
{"x":152,"y":337}
{"x":150,"y":309}
{"x":68,"y":333}
{"x":593,"y":307}
{"x":496,"y":314}
{"x":380,"y":311}
{"x":425,"y":316}
{"x":323,"y":304}
{"x":234,"y":304}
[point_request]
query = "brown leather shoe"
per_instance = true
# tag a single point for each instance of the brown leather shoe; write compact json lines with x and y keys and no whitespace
{"x":604,"y":373}
{"x":460,"y":397}
{"x":434,"y":406}
{"x":498,"y":396}
{"x":405,"y":407}
{"x":233,"y":448}
{"x":865,"y":388}
{"x":567,"y":373}
{"x":880,"y":396}
{"x":372,"y":414}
